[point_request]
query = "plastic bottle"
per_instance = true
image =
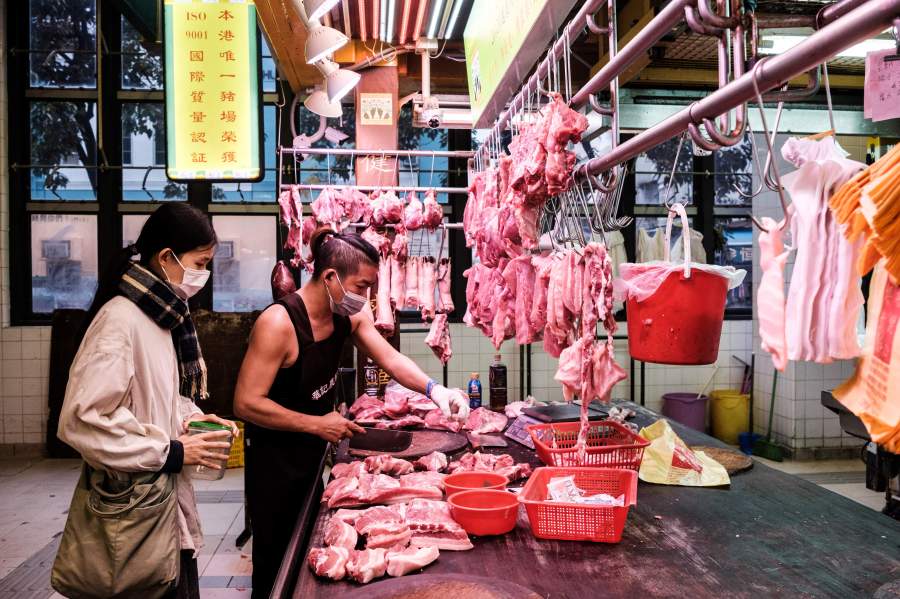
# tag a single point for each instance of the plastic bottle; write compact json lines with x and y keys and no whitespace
{"x":370,"y":372}
{"x":498,"y":384}
{"x":474,"y":391}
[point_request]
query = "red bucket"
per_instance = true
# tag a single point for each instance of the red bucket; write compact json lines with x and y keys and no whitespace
{"x":681,"y":323}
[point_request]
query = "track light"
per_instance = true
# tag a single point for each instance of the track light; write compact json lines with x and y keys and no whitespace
{"x":318,"y":103}
{"x":322,"y":42}
{"x":338,"y":81}
{"x":316,"y":9}
{"x":454,"y":16}
{"x":435,"y":18}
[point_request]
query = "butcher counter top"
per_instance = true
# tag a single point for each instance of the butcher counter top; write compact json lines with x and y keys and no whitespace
{"x":769,"y":535}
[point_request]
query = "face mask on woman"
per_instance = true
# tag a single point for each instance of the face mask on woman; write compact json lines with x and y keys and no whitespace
{"x":349,"y":305}
{"x":192,"y":281}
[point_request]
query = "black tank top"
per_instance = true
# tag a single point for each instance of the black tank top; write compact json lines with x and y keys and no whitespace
{"x":308,"y":385}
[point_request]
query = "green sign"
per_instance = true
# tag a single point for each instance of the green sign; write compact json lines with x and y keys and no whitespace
{"x":503,"y":41}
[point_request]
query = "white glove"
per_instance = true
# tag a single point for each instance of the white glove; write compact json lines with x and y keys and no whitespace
{"x":452,"y":402}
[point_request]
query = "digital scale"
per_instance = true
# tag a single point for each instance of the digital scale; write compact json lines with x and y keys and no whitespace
{"x":545,"y":414}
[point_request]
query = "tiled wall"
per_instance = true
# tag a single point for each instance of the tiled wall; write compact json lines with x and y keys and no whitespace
{"x":800,"y":422}
{"x":473,"y":352}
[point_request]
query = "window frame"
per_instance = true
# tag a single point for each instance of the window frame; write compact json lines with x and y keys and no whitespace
{"x":702,"y":210}
{"x":108,"y":204}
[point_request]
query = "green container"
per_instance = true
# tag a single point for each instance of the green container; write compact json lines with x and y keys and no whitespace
{"x":200,"y":471}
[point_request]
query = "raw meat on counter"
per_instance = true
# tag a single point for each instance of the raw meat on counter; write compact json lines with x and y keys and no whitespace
{"x":408,"y":421}
{"x":514,"y":409}
{"x":502,"y":464}
{"x":403,"y":562}
{"x":436,"y":420}
{"x":329,"y":562}
{"x":340,"y":534}
{"x":386,"y":464}
{"x":438,"y":338}
{"x":433,"y":526}
{"x":433,"y":462}
{"x":373,"y":489}
{"x":366,"y":565}
{"x":482,"y":421}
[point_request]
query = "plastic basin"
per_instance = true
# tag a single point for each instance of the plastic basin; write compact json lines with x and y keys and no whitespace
{"x":485,"y":512}
{"x":467,"y":481}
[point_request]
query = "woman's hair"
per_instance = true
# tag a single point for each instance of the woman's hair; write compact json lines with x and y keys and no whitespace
{"x":176,"y":225}
{"x":340,"y":251}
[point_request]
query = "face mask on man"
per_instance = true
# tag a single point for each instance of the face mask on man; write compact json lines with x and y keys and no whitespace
{"x":191,"y":283}
{"x":349,"y":305}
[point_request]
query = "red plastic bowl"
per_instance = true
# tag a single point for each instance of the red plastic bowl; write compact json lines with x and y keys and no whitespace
{"x":485,"y":512}
{"x":468,"y":481}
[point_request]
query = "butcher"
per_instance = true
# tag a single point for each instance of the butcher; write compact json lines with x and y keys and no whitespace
{"x":286,"y":388}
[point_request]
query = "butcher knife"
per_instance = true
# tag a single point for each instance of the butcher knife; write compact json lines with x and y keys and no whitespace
{"x":377,"y":439}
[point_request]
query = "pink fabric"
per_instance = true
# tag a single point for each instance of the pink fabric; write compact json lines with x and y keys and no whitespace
{"x":770,"y":296}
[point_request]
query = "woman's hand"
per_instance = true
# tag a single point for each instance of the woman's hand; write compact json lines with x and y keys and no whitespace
{"x":333,"y":427}
{"x":235,"y":431}
{"x":202,"y":449}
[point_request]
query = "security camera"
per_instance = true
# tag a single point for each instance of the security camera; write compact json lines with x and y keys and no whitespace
{"x":432,"y":114}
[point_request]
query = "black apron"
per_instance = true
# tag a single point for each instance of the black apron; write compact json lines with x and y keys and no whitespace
{"x":281,"y":466}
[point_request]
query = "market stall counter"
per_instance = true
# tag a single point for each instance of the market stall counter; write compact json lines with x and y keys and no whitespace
{"x":769,"y":534}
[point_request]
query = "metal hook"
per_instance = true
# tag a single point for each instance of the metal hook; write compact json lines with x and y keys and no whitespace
{"x":769,"y":142}
{"x":668,"y":190}
{"x":592,"y":26}
{"x":144,"y":183}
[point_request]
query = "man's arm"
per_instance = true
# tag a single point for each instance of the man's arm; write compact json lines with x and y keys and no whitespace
{"x":270,"y":343}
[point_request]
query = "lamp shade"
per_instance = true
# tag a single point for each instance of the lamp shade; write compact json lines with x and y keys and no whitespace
{"x":322,"y":42}
{"x":316,"y":9}
{"x":340,"y":82}
{"x":318,"y":103}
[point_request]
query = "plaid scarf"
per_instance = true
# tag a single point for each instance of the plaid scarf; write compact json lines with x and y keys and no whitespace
{"x":157,"y":300}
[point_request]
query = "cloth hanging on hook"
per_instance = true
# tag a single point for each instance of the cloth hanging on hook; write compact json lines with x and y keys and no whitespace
{"x":824,"y":298}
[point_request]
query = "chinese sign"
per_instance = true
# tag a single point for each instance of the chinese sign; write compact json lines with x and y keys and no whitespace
{"x":377,"y":109}
{"x":213,"y":109}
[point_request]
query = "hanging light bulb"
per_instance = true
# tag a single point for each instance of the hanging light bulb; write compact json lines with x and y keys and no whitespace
{"x":322,"y":42}
{"x":319,"y":103}
{"x":316,"y":9}
{"x":338,"y":81}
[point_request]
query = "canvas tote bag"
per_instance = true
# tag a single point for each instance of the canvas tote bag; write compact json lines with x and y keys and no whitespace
{"x":121,"y":538}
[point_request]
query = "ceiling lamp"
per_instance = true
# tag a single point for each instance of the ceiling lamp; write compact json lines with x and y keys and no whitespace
{"x":338,"y":81}
{"x":318,"y":103}
{"x":322,"y":42}
{"x":316,"y":9}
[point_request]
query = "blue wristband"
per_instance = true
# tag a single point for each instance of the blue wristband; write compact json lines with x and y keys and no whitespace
{"x":429,"y":386}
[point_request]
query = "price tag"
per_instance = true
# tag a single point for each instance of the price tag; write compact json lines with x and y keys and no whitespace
{"x":881,"y":97}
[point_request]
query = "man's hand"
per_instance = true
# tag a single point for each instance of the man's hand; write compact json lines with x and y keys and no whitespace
{"x":333,"y":427}
{"x":452,"y":402}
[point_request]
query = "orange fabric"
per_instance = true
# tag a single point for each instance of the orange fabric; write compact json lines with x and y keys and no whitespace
{"x":869,"y":205}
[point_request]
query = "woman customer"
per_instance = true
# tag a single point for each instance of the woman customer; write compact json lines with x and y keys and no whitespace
{"x":137,"y":375}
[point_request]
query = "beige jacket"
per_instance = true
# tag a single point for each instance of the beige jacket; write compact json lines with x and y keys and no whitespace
{"x":122,"y":403}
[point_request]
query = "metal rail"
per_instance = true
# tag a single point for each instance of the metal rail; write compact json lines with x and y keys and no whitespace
{"x":421,"y":189}
{"x":851,"y":27}
{"x":392,"y":153}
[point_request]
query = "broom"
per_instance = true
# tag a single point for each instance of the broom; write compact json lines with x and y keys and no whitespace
{"x":764,"y":448}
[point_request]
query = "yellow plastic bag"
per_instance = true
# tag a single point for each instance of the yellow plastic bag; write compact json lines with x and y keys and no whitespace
{"x":668,"y":461}
{"x":871,"y":393}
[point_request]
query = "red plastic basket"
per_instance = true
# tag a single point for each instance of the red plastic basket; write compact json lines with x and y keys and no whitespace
{"x":609,"y":445}
{"x":576,"y":522}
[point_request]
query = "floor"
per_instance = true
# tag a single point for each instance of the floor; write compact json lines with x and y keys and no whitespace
{"x":34,"y":496}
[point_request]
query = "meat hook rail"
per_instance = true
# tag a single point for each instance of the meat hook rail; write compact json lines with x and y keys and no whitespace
{"x":394,"y":188}
{"x":856,"y":25}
